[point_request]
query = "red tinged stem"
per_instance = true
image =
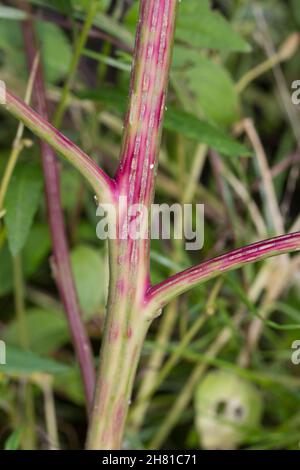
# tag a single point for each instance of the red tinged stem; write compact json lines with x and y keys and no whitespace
{"x":127,"y":320}
{"x":101,"y":183}
{"x":149,"y":82}
{"x":62,"y":269}
{"x":164,"y":292}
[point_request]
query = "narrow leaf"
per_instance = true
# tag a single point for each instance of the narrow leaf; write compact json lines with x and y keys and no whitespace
{"x":25,"y":363}
{"x":21,"y":203}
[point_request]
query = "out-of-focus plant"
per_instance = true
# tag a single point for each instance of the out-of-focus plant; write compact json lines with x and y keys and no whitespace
{"x":134,"y":302}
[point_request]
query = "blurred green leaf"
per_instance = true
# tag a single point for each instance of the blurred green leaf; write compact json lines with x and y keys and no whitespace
{"x":64,"y":6}
{"x":194,"y":128}
{"x":13,"y":441}
{"x":90,"y":273}
{"x":56,"y":49}
{"x":200,"y":26}
{"x":212,"y":85}
{"x":25,"y":363}
{"x":295,"y":10}
{"x":10,"y":13}
{"x":37,"y":247}
{"x":21,"y":203}
{"x":47,"y":331}
{"x":69,"y":384}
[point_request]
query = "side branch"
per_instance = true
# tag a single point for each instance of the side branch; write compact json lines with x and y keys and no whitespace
{"x":158,"y":296}
{"x":98,"y":179}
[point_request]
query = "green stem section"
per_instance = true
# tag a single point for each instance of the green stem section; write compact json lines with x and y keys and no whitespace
{"x":50,"y":413}
{"x":29,"y":435}
{"x":128,"y":316}
{"x":152,"y":369}
{"x":124,"y":333}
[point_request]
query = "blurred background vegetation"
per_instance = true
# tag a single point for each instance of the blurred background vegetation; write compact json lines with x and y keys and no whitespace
{"x":231,"y":141}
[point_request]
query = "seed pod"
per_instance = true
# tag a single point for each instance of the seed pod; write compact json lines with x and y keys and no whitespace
{"x":227,"y":409}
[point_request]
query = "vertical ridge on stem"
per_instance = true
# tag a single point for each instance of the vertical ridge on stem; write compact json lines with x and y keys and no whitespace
{"x":149,"y":81}
{"x":127,"y":319}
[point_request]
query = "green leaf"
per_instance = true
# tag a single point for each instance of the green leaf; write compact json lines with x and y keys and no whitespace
{"x":25,"y":363}
{"x":201,"y":26}
{"x":91,"y":278}
{"x":69,"y":384}
{"x":13,"y":441}
{"x":38,"y":246}
{"x":194,"y":128}
{"x":186,"y":124}
{"x":214,"y":89}
{"x":10,"y":13}
{"x":63,"y":6}
{"x":36,"y":249}
{"x":57,"y":51}
{"x":21,"y":203}
{"x":70,"y":184}
{"x":47,"y":331}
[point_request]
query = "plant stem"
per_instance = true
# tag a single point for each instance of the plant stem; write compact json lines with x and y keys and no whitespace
{"x":155,"y":378}
{"x":50,"y":414}
{"x":29,"y":435}
{"x":128,"y":316}
{"x":62,"y":270}
{"x":103,"y":186}
{"x":164,"y":292}
{"x":152,"y":368}
{"x":18,"y":144}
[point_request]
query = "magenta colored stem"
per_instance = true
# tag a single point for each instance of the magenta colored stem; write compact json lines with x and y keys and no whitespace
{"x":62,"y":269}
{"x":149,"y":81}
{"x":101,"y":183}
{"x":127,"y":321}
{"x":162,"y":293}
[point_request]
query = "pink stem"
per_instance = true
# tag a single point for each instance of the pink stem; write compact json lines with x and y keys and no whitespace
{"x":162,"y":293}
{"x":149,"y":81}
{"x":103,"y":186}
{"x":126,"y":320}
{"x":63,"y":273}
